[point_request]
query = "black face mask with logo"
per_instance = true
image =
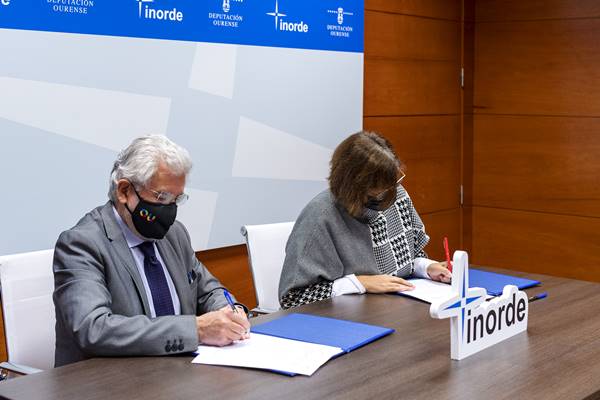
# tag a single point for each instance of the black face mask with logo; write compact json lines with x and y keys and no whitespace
{"x":152,"y":220}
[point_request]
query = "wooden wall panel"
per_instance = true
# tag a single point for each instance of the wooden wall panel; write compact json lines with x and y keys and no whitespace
{"x":411,"y":65}
{"x":442,"y":9}
{"x":548,"y":164}
{"x":467,"y":176}
{"x":230,"y":266}
{"x":432,"y":174}
{"x":535,"y":191}
{"x":561,"y":245}
{"x":410,"y":88}
{"x":433,"y":183}
{"x":468,"y":13}
{"x":468,"y":61}
{"x":409,"y":38}
{"x":466,"y":121}
{"x":518,"y":10}
{"x":438,"y":225}
{"x":538,"y":67}
{"x":467,"y":231}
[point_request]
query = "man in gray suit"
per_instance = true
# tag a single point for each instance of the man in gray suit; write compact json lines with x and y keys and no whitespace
{"x":127,"y":281}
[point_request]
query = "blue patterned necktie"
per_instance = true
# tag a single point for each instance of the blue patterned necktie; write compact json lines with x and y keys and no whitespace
{"x":163,"y":303}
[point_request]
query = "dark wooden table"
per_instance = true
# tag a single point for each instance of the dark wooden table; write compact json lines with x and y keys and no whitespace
{"x":557,"y":358}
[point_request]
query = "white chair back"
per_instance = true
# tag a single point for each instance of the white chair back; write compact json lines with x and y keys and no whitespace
{"x":266,"y":253}
{"x":27,"y":284}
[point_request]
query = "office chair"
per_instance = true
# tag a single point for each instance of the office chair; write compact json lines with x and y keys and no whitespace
{"x":27,"y":283}
{"x":266,"y":253}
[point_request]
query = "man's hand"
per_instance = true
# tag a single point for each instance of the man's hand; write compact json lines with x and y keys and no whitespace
{"x":222,"y":327}
{"x":384,"y":283}
{"x":438,"y":272}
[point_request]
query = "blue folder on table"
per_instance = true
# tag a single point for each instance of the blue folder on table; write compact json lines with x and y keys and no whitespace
{"x":347,"y":335}
{"x":494,"y":283}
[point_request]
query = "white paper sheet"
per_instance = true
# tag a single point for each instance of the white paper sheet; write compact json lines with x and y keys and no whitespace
{"x":430,"y":291}
{"x":269,"y":352}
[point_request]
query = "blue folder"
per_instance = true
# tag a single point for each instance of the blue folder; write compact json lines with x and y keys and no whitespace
{"x":494,"y":283}
{"x":346,"y":335}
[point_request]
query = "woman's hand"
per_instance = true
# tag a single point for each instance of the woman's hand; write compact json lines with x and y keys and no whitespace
{"x":438,"y":272}
{"x":384,"y":283}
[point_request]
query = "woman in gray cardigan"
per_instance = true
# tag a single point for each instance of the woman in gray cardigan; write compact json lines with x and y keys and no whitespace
{"x":361,"y":235}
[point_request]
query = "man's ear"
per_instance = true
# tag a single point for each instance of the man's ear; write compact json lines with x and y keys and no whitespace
{"x":123,"y":186}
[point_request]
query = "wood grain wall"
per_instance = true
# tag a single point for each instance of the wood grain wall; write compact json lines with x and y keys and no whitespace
{"x":534,"y":203}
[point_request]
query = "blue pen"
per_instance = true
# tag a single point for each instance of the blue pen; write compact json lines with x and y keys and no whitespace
{"x":229,"y":300}
{"x":540,"y":296}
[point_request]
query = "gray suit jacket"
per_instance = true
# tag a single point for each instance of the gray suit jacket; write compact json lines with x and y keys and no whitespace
{"x":101,"y":305}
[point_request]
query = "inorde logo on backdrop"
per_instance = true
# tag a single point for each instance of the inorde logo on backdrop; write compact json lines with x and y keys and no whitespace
{"x":148,"y":10}
{"x":4,"y":2}
{"x":282,"y":24}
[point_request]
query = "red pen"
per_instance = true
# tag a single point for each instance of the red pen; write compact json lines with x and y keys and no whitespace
{"x":448,"y":262}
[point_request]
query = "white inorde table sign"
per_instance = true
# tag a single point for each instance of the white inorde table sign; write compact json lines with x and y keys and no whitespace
{"x":476,"y":324}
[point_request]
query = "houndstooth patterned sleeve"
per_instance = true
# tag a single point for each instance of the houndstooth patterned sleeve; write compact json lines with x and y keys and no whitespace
{"x":297,"y":297}
{"x":421,"y":238}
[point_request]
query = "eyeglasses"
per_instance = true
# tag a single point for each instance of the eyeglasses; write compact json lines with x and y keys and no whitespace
{"x":166,"y":197}
{"x":400,"y":179}
{"x":381,"y":196}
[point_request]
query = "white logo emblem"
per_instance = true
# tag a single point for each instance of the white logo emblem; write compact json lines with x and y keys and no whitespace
{"x":4,"y":2}
{"x":228,"y":18}
{"x":475,"y":323}
{"x":276,"y":14}
{"x":340,"y":30}
{"x":340,"y":14}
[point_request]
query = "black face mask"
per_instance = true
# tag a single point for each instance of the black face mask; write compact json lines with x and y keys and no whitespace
{"x":375,"y":204}
{"x":152,"y":220}
{"x":383,"y":201}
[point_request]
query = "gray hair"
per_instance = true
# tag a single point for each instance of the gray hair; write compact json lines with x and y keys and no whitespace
{"x":139,"y":161}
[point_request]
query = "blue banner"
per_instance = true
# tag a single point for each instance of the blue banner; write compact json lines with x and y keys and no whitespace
{"x":306,"y":24}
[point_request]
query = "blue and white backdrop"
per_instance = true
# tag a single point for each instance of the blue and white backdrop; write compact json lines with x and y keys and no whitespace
{"x":259,"y":92}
